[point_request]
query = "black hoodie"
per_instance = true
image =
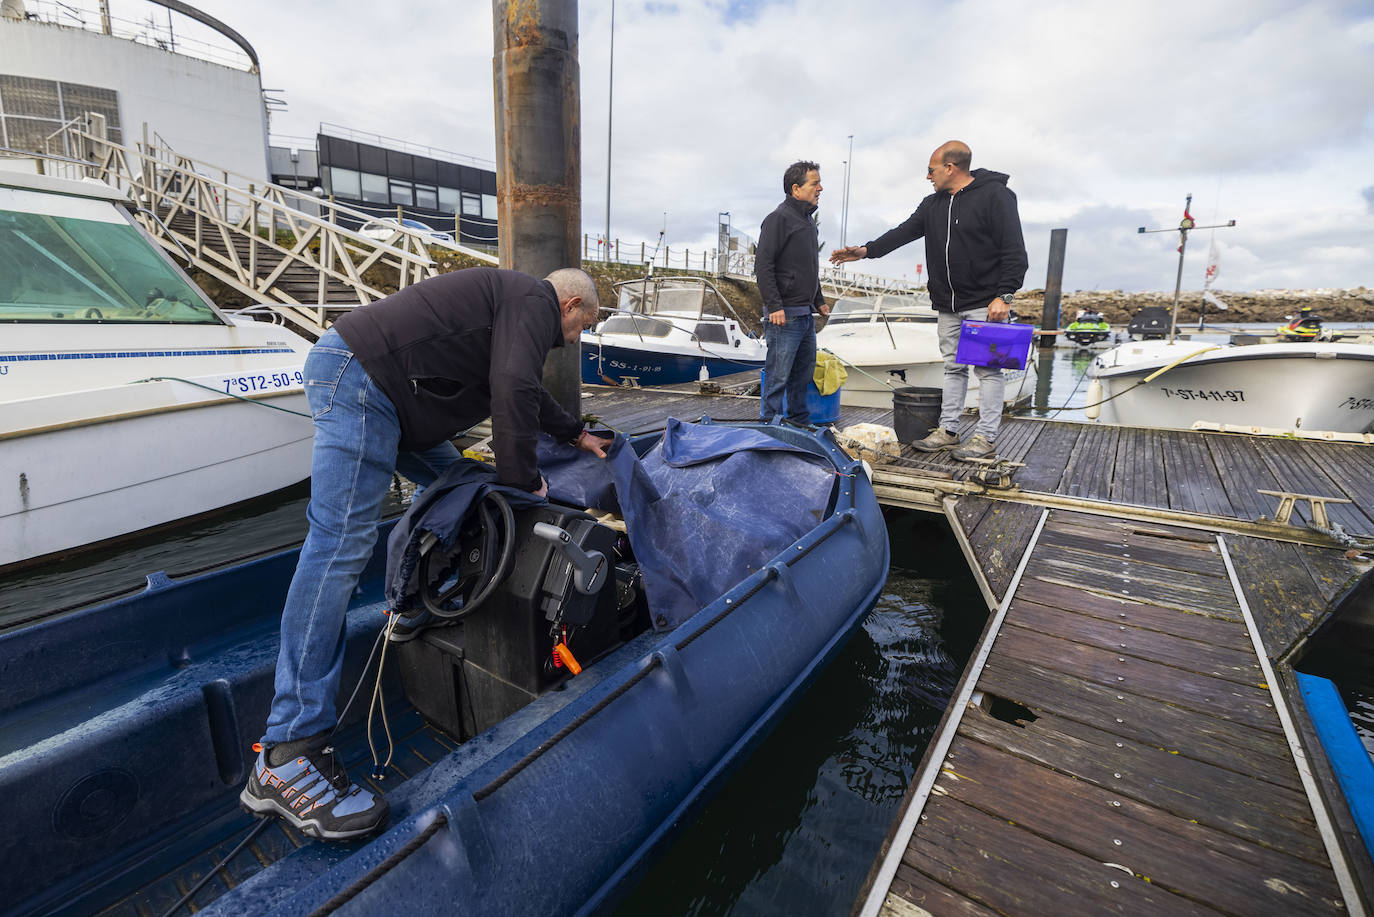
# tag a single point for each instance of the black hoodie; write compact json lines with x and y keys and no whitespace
{"x":974,"y":249}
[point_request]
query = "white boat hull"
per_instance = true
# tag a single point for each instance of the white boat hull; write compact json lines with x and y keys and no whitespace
{"x":1327,"y":387}
{"x":91,"y":452}
{"x":877,"y":363}
{"x":77,"y":485}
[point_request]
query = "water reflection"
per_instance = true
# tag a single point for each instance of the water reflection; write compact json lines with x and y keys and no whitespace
{"x":796,"y":829}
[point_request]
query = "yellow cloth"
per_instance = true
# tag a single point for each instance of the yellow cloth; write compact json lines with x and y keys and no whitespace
{"x":830,"y":374}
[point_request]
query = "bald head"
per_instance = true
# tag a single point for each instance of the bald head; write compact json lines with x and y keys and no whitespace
{"x":577,"y":301}
{"x":948,"y":167}
{"x":569,"y":283}
{"x":956,"y":153}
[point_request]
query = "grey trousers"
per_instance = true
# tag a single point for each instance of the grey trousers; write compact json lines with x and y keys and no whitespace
{"x":991,"y":386}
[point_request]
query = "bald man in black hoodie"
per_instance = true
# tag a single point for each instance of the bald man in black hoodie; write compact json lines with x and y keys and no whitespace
{"x":977,"y":261}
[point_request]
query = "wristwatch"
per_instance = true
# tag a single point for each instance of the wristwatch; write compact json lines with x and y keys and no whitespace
{"x":1006,"y":297}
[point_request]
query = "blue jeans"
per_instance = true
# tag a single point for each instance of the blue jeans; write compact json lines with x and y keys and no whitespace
{"x":991,"y":385}
{"x":788,"y":365}
{"x":354,"y":456}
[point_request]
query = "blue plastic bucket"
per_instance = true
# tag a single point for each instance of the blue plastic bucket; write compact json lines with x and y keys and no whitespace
{"x":821,"y":408}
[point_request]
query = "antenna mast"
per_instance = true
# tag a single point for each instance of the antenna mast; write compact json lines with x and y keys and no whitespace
{"x":1185,"y":226}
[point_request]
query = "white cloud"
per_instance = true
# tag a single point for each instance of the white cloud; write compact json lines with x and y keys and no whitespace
{"x":1104,"y":115}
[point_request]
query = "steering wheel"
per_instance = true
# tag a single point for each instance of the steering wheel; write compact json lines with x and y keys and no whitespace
{"x":455,"y":583}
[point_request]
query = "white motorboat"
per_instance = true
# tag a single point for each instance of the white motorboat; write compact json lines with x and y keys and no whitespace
{"x":667,"y":330}
{"x":887,"y":341}
{"x":1309,"y":386}
{"x":127,"y":399}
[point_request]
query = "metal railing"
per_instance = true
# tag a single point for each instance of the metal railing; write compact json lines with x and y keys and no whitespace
{"x":80,"y":14}
{"x":279,"y":231}
{"x":738,"y":264}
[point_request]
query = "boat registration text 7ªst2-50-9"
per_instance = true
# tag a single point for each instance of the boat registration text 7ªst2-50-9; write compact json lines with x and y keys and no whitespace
{"x":261,"y":382}
{"x":1198,"y":394}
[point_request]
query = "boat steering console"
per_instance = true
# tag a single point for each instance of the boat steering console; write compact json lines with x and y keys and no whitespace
{"x":522,"y":600}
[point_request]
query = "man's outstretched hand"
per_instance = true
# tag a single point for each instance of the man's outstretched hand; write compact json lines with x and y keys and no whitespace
{"x":848,"y":253}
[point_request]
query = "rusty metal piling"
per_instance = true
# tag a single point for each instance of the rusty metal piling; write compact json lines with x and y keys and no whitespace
{"x":538,"y":153}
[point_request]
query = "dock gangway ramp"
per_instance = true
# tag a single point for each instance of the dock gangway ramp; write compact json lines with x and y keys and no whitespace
{"x":290,"y":252}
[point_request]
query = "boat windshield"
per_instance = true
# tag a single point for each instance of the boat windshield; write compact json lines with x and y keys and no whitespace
{"x":636,"y":324}
{"x":679,"y":297}
{"x":68,"y":259}
{"x":882,"y":307}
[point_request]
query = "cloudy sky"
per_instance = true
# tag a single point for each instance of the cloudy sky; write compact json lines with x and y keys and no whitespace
{"x":1104,"y":114}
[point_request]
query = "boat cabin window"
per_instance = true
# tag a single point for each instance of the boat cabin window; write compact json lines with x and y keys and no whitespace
{"x":711,"y":333}
{"x":78,"y":260}
{"x":636,"y":324}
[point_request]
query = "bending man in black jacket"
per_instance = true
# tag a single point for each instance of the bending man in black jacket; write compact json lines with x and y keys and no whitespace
{"x":977,"y":261}
{"x":387,"y":386}
{"x":787,"y":266}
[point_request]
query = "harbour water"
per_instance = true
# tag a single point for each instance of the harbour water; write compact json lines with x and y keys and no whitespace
{"x":796,"y":827}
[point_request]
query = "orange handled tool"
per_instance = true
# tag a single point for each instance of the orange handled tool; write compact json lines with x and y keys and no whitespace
{"x":566,"y":657}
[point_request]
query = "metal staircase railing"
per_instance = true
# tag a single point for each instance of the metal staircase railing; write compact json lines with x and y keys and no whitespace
{"x":261,"y":239}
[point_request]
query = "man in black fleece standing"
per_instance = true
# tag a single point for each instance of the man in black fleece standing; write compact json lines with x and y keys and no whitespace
{"x":787,"y":266}
{"x":977,"y":261}
{"x":387,"y":386}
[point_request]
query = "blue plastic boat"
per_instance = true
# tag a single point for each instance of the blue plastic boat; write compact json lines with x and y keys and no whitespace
{"x":125,"y":734}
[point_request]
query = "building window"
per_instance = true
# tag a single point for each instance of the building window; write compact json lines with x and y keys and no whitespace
{"x":472,"y":205}
{"x":402,"y":192}
{"x":488,"y":206}
{"x":427,"y":197}
{"x":448,"y":200}
{"x":33,"y":111}
{"x":344,"y":183}
{"x":375,"y":190}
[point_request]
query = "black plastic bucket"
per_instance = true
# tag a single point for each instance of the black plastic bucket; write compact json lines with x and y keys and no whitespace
{"x":915,"y":412}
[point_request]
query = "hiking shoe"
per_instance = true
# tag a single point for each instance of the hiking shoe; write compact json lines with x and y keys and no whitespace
{"x":408,"y":628}
{"x":311,"y":790}
{"x":939,"y":438}
{"x":976,"y":448}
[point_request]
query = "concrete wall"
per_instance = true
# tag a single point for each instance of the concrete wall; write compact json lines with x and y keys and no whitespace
{"x":206,"y":111}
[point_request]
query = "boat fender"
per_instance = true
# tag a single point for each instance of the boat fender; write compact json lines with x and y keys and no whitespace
{"x":1094,"y":407}
{"x":703,"y":374}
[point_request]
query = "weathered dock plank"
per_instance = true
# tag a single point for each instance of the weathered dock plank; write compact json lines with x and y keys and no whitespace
{"x":1014,"y":871}
{"x":1246,"y":704}
{"x":1000,"y":538}
{"x":1238,"y":665}
{"x":1152,"y":843}
{"x":1215,"y":740}
{"x":1193,"y":624}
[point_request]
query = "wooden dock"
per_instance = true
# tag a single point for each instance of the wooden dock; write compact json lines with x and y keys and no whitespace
{"x":1128,"y":738}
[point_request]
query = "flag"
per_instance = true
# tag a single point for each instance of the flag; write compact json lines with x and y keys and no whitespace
{"x":1208,"y":296}
{"x":1210,"y":274}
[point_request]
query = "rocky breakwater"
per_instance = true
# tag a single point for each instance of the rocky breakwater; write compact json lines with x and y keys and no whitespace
{"x":1255,"y":306}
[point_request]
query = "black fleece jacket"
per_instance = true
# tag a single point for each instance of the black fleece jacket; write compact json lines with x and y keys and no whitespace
{"x":455,"y":348}
{"x":974,"y":248}
{"x":787,"y":264}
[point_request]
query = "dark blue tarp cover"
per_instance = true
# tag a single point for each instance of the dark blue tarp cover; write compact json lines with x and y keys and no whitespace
{"x":705,"y":507}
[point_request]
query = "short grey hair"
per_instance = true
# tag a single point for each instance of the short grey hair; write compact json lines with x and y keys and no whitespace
{"x":569,"y":282}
